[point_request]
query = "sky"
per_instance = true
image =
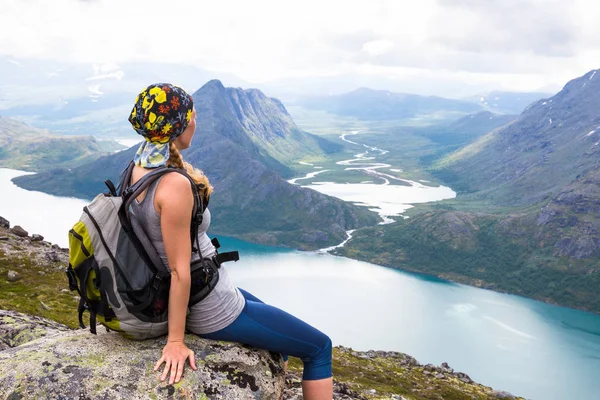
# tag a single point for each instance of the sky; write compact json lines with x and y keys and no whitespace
{"x":444,"y":47}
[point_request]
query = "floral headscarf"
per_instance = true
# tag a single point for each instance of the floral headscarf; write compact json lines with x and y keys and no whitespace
{"x":161,"y":113}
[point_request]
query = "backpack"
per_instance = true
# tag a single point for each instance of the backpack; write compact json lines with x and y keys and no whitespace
{"x":120,"y":278}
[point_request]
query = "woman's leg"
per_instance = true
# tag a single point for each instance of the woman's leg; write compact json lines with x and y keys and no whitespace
{"x":250,"y":297}
{"x":270,"y":328}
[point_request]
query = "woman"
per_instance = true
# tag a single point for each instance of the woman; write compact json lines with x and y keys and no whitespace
{"x":164,"y":114}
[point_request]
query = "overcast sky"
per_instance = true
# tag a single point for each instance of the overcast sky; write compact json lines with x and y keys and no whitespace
{"x":428,"y":46}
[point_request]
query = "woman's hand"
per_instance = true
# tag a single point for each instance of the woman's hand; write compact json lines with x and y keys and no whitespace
{"x":174,"y":355}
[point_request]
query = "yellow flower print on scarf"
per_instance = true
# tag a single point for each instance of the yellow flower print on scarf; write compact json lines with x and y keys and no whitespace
{"x":153,"y":122}
{"x":159,"y":94}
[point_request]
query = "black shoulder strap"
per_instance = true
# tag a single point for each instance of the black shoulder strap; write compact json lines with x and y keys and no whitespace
{"x":125,"y":178}
{"x":131,"y":192}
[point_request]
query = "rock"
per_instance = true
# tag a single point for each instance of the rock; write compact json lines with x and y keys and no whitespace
{"x":342,"y":391}
{"x":17,"y":329}
{"x":64,"y":290}
{"x":503,"y":395}
{"x":36,"y":238}
{"x":3,"y":237}
{"x":52,"y":256}
{"x":45,"y":306}
{"x":446,"y":368}
{"x":4,"y":223}
{"x":430,"y":367}
{"x":440,"y":376}
{"x":17,"y":230}
{"x":464,"y":378}
{"x":77,"y":364}
{"x":13,"y":276}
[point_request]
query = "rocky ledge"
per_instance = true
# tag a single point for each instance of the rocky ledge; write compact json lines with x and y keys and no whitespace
{"x":42,"y":358}
{"x":75,"y":364}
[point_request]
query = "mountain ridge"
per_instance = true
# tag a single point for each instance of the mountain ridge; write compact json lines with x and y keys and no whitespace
{"x":252,"y":200}
{"x":503,"y":102}
{"x":27,"y":148}
{"x":370,"y":104}
{"x":260,"y":123}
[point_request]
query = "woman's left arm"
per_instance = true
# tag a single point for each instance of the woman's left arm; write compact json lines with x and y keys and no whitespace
{"x":175,"y":200}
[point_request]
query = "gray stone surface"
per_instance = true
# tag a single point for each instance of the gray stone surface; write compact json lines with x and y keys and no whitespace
{"x":77,"y":364}
{"x":17,"y":230}
{"x":13,"y":276}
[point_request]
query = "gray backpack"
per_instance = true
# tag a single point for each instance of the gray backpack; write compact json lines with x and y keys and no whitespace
{"x":116,"y":270}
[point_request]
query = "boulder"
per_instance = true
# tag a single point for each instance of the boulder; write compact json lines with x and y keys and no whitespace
{"x":13,"y":276}
{"x":4,"y":223}
{"x":17,"y":230}
{"x":77,"y":364}
{"x":503,"y":395}
{"x":36,"y":238}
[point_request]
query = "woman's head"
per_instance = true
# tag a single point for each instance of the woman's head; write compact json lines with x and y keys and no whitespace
{"x":161,"y":114}
{"x":165,"y":116}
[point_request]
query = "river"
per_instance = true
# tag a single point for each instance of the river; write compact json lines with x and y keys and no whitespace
{"x":388,"y":200}
{"x":508,"y":342}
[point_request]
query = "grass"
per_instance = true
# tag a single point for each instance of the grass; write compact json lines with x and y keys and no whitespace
{"x":395,"y":374}
{"x":39,"y":283}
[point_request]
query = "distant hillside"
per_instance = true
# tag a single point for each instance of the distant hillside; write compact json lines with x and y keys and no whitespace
{"x":374,"y":105}
{"x":507,"y":102}
{"x":251,"y":199}
{"x":465,"y":130}
{"x":261,"y":125}
{"x":30,"y":149}
{"x":551,"y":143}
{"x":540,"y":176}
{"x":76,"y":98}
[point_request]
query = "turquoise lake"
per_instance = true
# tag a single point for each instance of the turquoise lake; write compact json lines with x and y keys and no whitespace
{"x":514,"y":344}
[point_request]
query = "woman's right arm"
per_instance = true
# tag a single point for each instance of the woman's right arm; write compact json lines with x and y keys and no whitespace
{"x":175,"y":201}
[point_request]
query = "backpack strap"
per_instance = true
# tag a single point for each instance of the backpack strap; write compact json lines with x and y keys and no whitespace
{"x":130,"y":192}
{"x":125,"y":178}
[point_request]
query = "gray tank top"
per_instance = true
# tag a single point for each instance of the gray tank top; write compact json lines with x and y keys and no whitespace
{"x":225,"y":302}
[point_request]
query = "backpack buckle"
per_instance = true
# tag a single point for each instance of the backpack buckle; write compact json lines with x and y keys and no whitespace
{"x":72,"y":278}
{"x":156,"y":282}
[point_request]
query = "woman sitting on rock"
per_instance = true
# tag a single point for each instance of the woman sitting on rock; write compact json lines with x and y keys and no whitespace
{"x":165,"y":116}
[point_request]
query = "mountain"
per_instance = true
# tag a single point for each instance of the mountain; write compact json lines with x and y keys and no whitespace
{"x":464,"y":130}
{"x":527,"y":216}
{"x":376,"y":105}
{"x":507,"y":102}
{"x":76,"y":98}
{"x":31,"y":149}
{"x":551,"y":143}
{"x":261,"y":125}
{"x":251,"y":200}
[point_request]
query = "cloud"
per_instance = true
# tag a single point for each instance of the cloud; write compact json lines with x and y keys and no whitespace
{"x":545,"y":28}
{"x":270,"y":40}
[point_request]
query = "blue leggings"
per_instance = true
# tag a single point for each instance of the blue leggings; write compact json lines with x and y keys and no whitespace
{"x":267,"y":327}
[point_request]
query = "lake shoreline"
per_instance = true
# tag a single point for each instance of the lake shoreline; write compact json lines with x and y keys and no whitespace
{"x":471,"y":282}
